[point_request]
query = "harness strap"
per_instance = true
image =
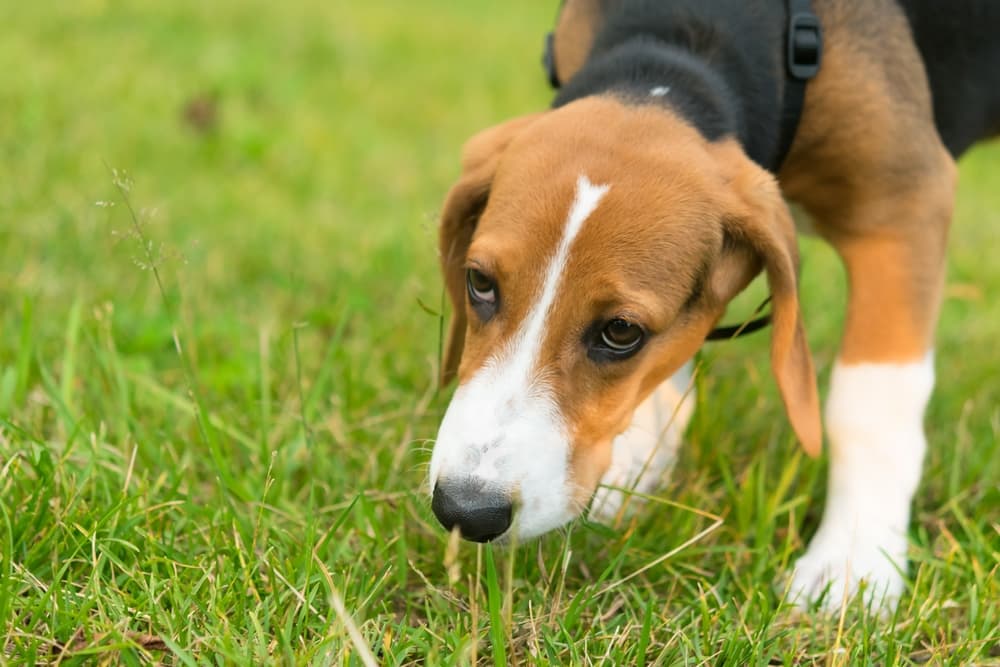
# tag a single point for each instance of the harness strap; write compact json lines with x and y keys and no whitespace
{"x":803,"y":53}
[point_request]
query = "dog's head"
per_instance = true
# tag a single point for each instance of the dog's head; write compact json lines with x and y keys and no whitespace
{"x":587,"y":252}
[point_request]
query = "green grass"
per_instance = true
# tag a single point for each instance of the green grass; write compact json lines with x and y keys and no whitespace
{"x":258,"y":499}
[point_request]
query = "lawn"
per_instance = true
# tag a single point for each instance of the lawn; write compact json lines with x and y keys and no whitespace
{"x":216,"y":416}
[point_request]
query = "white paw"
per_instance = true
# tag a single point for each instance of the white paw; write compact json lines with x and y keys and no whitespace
{"x":832,"y":572}
{"x":644,"y":453}
{"x":874,"y":416}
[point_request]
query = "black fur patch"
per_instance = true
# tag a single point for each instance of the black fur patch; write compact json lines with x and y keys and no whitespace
{"x":959,"y":41}
{"x":723,"y":61}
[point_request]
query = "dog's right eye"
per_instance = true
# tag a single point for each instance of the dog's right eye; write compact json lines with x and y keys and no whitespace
{"x":482,"y":293}
{"x":481,"y":287}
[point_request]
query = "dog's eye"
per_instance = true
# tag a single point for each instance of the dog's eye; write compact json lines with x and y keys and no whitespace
{"x":482,"y":289}
{"x":611,"y":340}
{"x":621,"y":336}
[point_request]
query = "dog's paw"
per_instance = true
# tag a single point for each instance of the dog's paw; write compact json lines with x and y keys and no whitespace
{"x":833,"y":572}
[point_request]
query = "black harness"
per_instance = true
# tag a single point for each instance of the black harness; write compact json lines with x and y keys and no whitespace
{"x":803,"y":53}
{"x":804,"y":50}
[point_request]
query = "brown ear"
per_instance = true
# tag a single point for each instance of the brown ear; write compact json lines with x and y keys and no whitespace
{"x":763,"y":222}
{"x":462,"y":207}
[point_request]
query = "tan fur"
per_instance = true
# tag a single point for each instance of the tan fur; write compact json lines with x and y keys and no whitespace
{"x":895,"y":292}
{"x":657,"y":235}
{"x":574,"y":35}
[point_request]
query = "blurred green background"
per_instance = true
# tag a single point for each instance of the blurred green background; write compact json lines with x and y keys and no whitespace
{"x":287,"y":162}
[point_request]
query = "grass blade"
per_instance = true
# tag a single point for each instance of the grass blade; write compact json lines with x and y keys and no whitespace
{"x":495,"y":605}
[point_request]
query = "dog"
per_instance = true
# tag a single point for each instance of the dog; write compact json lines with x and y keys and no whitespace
{"x":589,"y":249}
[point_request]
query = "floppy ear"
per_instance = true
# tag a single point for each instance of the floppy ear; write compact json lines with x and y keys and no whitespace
{"x":462,"y":207}
{"x":762,"y":222}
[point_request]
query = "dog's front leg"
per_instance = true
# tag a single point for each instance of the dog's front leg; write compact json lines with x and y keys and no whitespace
{"x":880,"y":386}
{"x":642,"y":455}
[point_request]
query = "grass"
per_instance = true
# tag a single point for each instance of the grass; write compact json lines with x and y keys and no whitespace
{"x":257,"y":498}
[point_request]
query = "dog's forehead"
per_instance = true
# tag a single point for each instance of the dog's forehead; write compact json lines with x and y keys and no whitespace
{"x":658,"y":169}
{"x":645,"y":225}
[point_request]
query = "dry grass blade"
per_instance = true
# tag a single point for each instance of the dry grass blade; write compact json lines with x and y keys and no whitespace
{"x":660,"y":559}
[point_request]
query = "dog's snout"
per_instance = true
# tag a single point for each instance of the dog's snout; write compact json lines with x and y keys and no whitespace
{"x":481,"y":514}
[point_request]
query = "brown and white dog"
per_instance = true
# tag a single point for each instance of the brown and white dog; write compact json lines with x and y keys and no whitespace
{"x":589,"y":249}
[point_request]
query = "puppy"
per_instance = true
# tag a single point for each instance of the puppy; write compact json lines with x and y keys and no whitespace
{"x":588,"y":251}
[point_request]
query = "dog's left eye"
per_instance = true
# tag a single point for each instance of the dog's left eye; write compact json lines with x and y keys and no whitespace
{"x":618,"y":339}
{"x":621,"y":335}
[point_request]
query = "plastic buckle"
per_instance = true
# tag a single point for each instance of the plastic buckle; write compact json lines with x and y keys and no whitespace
{"x":805,"y":45}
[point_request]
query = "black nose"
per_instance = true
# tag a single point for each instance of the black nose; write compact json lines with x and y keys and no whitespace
{"x":481,"y":514}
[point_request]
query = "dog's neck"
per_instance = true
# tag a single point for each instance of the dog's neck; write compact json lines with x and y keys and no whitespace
{"x":725,"y":77}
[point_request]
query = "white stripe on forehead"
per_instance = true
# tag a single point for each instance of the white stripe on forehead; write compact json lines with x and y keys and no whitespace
{"x":587,"y":197}
{"x":526,"y":344}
